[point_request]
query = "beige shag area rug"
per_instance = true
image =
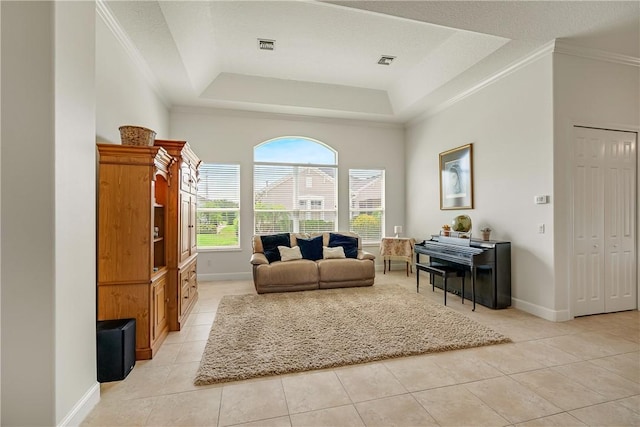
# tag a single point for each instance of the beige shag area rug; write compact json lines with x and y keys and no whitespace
{"x":270,"y":334}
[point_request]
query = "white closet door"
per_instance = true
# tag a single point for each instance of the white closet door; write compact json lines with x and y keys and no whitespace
{"x":620,"y":219}
{"x":588,"y":224}
{"x":604,"y":267}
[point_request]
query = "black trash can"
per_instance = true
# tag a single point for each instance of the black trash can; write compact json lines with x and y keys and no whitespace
{"x":116,"y":349}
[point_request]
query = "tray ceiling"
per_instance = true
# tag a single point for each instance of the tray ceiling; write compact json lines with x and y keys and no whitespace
{"x":325,"y":59}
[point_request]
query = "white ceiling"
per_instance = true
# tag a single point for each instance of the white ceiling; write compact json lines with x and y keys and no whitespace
{"x":205,"y":53}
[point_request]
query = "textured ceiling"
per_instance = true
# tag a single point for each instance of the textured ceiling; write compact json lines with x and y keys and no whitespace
{"x":325,"y":63}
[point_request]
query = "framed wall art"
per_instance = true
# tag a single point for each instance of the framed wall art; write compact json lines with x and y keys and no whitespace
{"x":456,"y":178}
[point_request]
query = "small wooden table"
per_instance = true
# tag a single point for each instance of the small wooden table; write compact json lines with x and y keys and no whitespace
{"x":397,"y":248}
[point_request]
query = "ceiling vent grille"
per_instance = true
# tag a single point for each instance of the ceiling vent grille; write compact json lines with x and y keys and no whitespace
{"x":264,"y":44}
{"x":386,"y":60}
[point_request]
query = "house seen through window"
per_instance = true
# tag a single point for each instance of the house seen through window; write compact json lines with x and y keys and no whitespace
{"x":294,"y":186}
{"x":366,"y":207}
{"x":218,"y":213}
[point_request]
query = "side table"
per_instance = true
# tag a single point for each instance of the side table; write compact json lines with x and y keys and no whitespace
{"x":397,"y":248}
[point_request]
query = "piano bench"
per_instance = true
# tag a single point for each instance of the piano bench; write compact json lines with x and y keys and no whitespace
{"x":444,"y":271}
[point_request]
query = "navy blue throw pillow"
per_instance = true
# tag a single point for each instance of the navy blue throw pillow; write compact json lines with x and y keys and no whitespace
{"x":311,"y":248}
{"x":348,"y":243}
{"x":270,"y":245}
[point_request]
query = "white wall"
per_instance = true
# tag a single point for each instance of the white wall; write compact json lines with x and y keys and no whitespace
{"x":123,"y":94}
{"x":28,"y":271}
{"x":225,"y":136}
{"x":48,"y":217}
{"x":510,"y":124}
{"x":587,"y":92}
{"x":0,"y":215}
{"x":75,"y":212}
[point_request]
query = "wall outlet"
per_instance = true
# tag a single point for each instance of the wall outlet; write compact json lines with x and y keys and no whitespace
{"x":541,"y":200}
{"x":541,"y":228}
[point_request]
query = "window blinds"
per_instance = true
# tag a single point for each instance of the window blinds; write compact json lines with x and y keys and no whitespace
{"x":218,"y":213}
{"x":366,"y":203}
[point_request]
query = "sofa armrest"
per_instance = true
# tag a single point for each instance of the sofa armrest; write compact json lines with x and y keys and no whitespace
{"x":366,"y":255}
{"x":259,"y":258}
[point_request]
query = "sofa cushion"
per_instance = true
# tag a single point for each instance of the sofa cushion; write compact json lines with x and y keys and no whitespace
{"x":333,"y":253}
{"x":348,"y":243}
{"x":345,"y":270}
{"x":311,"y":248}
{"x":287,"y":274}
{"x":270,"y":245}
{"x":289,"y":254}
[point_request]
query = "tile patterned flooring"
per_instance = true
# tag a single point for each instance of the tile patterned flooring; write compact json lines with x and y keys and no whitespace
{"x":582,"y":372}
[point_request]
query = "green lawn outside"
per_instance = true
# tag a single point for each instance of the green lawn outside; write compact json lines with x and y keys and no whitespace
{"x":226,"y":237}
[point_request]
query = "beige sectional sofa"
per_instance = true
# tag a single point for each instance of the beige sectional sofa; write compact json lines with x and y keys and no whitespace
{"x":306,"y":274}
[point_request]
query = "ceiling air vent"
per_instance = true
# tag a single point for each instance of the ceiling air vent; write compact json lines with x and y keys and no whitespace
{"x":264,"y":44}
{"x":386,"y":60}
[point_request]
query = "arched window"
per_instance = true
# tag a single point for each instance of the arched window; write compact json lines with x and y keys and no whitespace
{"x":295,"y":186}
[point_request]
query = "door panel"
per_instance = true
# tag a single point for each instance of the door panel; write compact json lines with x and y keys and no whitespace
{"x":193,"y":239}
{"x":620,"y":285}
{"x":604,"y":266}
{"x":588,"y":264}
{"x":185,"y":217}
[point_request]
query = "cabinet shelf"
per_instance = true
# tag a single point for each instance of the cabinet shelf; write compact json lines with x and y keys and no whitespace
{"x":158,"y":205}
{"x":159,"y":272}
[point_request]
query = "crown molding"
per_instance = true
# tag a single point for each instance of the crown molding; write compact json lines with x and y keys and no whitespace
{"x":555,"y":46}
{"x":597,"y":54}
{"x":267,"y":115}
{"x":105,"y":13}
{"x":510,"y":69}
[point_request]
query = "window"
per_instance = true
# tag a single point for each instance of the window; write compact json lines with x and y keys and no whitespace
{"x":294,"y":186}
{"x":366,"y":207}
{"x":218,"y":212}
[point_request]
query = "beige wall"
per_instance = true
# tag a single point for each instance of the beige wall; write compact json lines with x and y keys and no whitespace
{"x":124,"y":96}
{"x":75,"y":215}
{"x":510,"y":124}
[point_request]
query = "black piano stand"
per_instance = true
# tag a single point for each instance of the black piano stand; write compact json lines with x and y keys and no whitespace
{"x":446,"y":271}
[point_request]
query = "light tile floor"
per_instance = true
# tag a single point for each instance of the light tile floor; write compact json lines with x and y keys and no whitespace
{"x":582,"y":372}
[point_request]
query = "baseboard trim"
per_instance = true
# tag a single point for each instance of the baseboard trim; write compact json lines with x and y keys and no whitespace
{"x":211,"y":277}
{"x":540,"y":311}
{"x":82,"y":408}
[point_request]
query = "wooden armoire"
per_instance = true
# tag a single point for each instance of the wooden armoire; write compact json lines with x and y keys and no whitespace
{"x":147,"y":248}
{"x":181,"y":237}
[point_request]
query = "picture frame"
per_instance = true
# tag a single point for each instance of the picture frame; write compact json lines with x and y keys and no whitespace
{"x":456,"y":178}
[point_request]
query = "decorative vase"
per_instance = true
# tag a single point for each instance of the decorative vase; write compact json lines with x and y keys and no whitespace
{"x":486,"y":235}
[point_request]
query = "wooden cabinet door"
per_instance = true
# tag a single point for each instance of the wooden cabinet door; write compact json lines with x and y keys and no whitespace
{"x":185,"y":177}
{"x":188,"y":287}
{"x":185,"y":229}
{"x":159,"y":307}
{"x":194,"y":181}
{"x":185,"y":294}
{"x":193,"y":239}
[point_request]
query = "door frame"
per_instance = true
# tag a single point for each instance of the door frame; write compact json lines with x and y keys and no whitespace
{"x":617,"y":127}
